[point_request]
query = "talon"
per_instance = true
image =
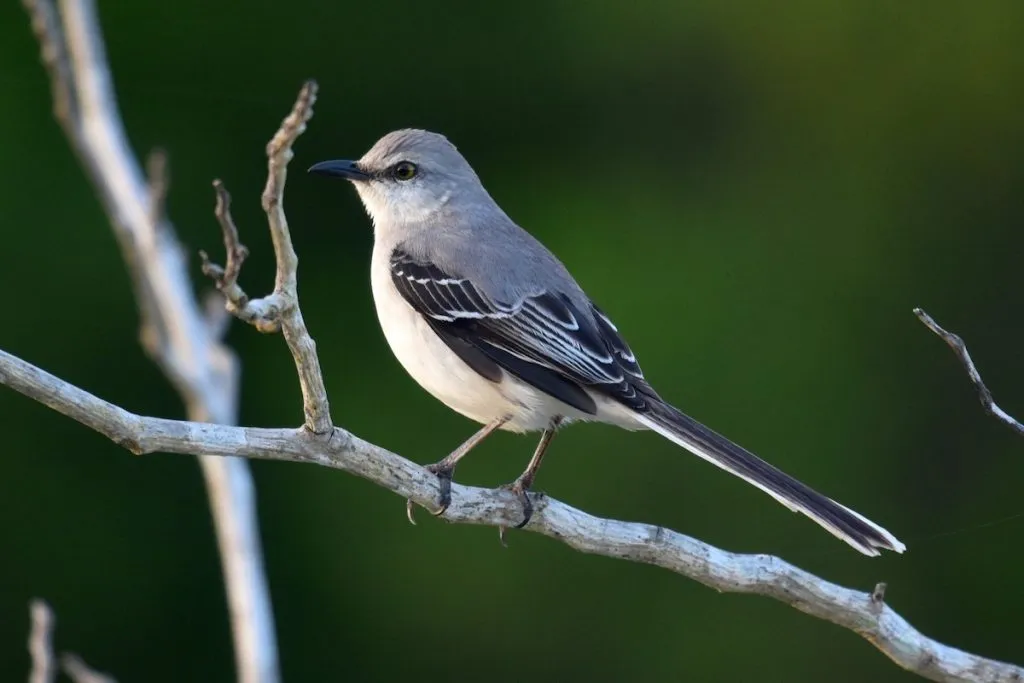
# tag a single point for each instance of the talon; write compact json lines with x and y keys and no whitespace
{"x":501,"y":536}
{"x":521,"y":489}
{"x":527,"y":511}
{"x":444,"y":478}
{"x":521,"y":486}
{"x":409,"y":512}
{"x":445,"y":468}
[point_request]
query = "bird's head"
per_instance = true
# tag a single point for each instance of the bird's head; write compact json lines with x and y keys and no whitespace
{"x":407,"y":177}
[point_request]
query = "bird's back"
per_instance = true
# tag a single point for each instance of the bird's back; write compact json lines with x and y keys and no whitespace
{"x":498,"y":256}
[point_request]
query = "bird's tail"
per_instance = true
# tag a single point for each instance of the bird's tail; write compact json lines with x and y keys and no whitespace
{"x":864,"y":535}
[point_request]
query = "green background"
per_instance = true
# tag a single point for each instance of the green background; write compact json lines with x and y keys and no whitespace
{"x":757,"y":193}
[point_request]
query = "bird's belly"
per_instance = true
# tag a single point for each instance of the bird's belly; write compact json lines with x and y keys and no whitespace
{"x":444,"y":375}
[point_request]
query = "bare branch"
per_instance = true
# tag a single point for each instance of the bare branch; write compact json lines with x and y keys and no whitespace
{"x":280,"y":309}
{"x":218,"y":320}
{"x":175,"y":331}
{"x":159,"y":184}
{"x":864,"y":613}
{"x":960,"y":349}
{"x":226,"y":278}
{"x":53,"y":52}
{"x":80,"y":672}
{"x":40,"y":643}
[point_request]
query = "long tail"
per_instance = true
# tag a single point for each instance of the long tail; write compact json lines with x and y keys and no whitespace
{"x":864,"y":535}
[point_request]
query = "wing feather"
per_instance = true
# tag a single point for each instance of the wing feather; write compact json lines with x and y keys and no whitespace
{"x":543,"y":338}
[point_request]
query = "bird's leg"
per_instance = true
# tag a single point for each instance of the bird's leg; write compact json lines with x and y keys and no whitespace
{"x":445,"y":468}
{"x":521,"y":486}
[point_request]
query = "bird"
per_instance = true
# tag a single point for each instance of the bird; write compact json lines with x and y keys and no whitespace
{"x":491,"y":323}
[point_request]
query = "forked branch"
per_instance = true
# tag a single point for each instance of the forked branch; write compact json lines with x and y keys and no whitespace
{"x":40,"y":647}
{"x":279,"y":310}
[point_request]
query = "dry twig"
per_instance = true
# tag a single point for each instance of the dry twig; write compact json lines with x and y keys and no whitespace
{"x":40,"y":643}
{"x":80,"y":672}
{"x":40,"y":646}
{"x":279,"y":310}
{"x":960,"y":349}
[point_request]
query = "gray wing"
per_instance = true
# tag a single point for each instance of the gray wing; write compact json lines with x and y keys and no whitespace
{"x":543,"y":339}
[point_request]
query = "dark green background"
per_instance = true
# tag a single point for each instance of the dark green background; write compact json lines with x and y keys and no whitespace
{"x":757,"y":193}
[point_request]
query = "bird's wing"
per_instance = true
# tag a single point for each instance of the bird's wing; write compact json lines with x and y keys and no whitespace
{"x":543,"y":338}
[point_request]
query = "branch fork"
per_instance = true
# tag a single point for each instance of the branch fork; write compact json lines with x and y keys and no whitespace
{"x":278,"y":311}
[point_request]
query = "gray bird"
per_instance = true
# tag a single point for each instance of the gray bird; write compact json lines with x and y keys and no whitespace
{"x":492,"y":324}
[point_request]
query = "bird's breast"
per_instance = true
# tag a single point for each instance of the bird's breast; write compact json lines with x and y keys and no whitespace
{"x":427,"y":358}
{"x":444,"y":375}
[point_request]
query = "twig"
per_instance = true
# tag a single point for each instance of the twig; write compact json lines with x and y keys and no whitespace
{"x":280,"y":309}
{"x":226,"y":278}
{"x":724,"y":571}
{"x":53,"y":53}
{"x":174,"y":330}
{"x":80,"y":672}
{"x":960,"y":349}
{"x":159,"y":184}
{"x":40,"y":643}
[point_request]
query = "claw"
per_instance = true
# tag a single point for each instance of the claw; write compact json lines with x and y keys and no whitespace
{"x":444,"y":477}
{"x":524,"y":497}
{"x":520,"y":488}
{"x":409,"y":513}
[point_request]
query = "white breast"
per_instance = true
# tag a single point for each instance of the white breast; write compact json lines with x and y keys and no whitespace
{"x":440,"y":371}
{"x":450,"y":380}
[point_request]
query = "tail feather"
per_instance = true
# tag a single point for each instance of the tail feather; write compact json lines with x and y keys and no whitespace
{"x":861,"y":533}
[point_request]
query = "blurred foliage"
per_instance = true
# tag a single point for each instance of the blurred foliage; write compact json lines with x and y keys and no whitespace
{"x":758,"y":193}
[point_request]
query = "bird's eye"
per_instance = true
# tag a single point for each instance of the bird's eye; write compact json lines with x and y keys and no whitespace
{"x":404,"y":170}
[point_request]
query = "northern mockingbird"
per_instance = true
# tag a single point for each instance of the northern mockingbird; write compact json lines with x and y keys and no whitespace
{"x":492,"y":324}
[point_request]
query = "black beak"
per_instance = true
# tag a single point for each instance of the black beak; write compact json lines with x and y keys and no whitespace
{"x":340,"y":168}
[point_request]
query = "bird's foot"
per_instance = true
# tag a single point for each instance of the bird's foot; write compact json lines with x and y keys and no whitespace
{"x":443,"y":472}
{"x":520,"y":487}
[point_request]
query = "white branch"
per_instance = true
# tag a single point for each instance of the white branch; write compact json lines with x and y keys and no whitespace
{"x":960,"y":349}
{"x":174,"y":331}
{"x":864,"y":613}
{"x":80,"y":672}
{"x":40,"y":643}
{"x":278,"y":311}
{"x":40,"y":646}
